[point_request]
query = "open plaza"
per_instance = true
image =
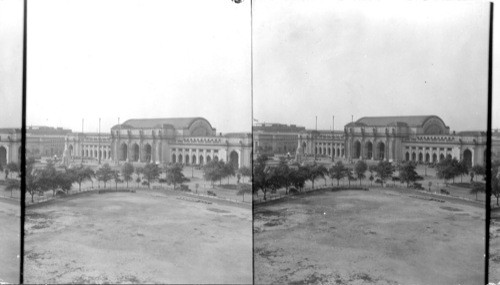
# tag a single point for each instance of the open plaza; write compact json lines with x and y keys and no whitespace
{"x":143,"y":237}
{"x":10,"y":240}
{"x":380,"y":236}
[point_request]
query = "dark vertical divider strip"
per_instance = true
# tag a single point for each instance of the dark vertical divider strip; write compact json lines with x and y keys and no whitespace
{"x":488,"y":152}
{"x":23,"y":147}
{"x":252,"y":152}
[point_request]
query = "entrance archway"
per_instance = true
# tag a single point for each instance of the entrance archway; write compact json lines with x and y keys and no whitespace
{"x":187,"y":159}
{"x":174,"y":160}
{"x":468,"y":158}
{"x":216,"y":158}
{"x":441,"y":157}
{"x":381,"y":151}
{"x":234,"y":159}
{"x":201,"y":160}
{"x":434,"y":158}
{"x":357,"y":150}
{"x":180,"y":158}
{"x":123,"y":152}
{"x":427,"y":157}
{"x":193,"y":159}
{"x":369,"y":150}
{"x":147,"y":152}
{"x":209,"y":159}
{"x":413,"y":156}
{"x":3,"y":156}
{"x":420,"y":157}
{"x":407,"y":156}
{"x":70,"y":148}
{"x":135,"y":152}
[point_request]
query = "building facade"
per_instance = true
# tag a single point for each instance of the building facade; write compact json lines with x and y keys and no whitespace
{"x":272,"y":138}
{"x":10,"y":146}
{"x":190,"y":141}
{"x":45,"y":141}
{"x":424,"y":139}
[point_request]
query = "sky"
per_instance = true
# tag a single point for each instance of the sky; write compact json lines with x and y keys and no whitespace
{"x":123,"y":59}
{"x":131,"y":59}
{"x":330,"y":58}
{"x":11,"y":63}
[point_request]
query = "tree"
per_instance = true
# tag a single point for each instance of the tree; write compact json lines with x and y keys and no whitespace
{"x":151,"y":172}
{"x":384,"y":170}
{"x":463,"y":168}
{"x":32,"y":176}
{"x":12,"y":167}
{"x":64,"y":180}
{"x":244,"y":189}
{"x":127,"y":171}
{"x":245,"y":172}
{"x":213,"y":171}
{"x":138,"y":172}
{"x":228,"y":171}
{"x":260,"y":175}
{"x":350,"y":176}
{"x":478,"y":188}
{"x":12,"y":184}
{"x":116,"y":178}
{"x":317,"y":171}
{"x":82,"y":174}
{"x":495,"y":183}
{"x":407,"y":173}
{"x":175,"y":175}
{"x":447,"y":169}
{"x":282,"y":175}
{"x":478,"y":170}
{"x":338,"y":171}
{"x":104,"y":174}
{"x":47,"y":178}
{"x":360,"y":168}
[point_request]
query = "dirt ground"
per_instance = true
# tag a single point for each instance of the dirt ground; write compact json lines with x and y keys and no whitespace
{"x":368,"y":237}
{"x":9,"y":241}
{"x":138,"y":238}
{"x":494,"y":270}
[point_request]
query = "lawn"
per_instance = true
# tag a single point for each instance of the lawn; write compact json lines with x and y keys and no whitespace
{"x":142,"y":237}
{"x":9,"y":241}
{"x":358,"y":237}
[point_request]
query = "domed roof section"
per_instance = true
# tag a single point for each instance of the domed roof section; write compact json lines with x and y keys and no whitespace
{"x":177,"y":123}
{"x":411,"y":121}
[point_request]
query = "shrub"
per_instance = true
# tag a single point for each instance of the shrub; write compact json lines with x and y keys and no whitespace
{"x":211,"y":193}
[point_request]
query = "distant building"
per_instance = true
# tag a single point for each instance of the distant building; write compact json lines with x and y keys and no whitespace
{"x":191,"y":141}
{"x":10,"y":146}
{"x":45,"y":141}
{"x":272,"y":138}
{"x":405,"y":138}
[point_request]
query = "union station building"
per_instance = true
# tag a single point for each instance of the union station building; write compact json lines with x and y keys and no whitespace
{"x":190,"y":141}
{"x":424,"y":139}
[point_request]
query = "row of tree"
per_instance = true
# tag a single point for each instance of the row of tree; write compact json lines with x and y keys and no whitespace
{"x":450,"y":168}
{"x":268,"y":177}
{"x":49,"y":178}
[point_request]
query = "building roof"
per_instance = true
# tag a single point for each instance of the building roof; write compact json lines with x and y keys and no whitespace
{"x":472,"y":133}
{"x":411,"y":121}
{"x":177,"y":123}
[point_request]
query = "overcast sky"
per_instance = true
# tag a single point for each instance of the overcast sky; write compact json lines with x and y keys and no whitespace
{"x":138,"y":59}
{"x":11,"y":68}
{"x":325,"y":58}
{"x":131,"y":59}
